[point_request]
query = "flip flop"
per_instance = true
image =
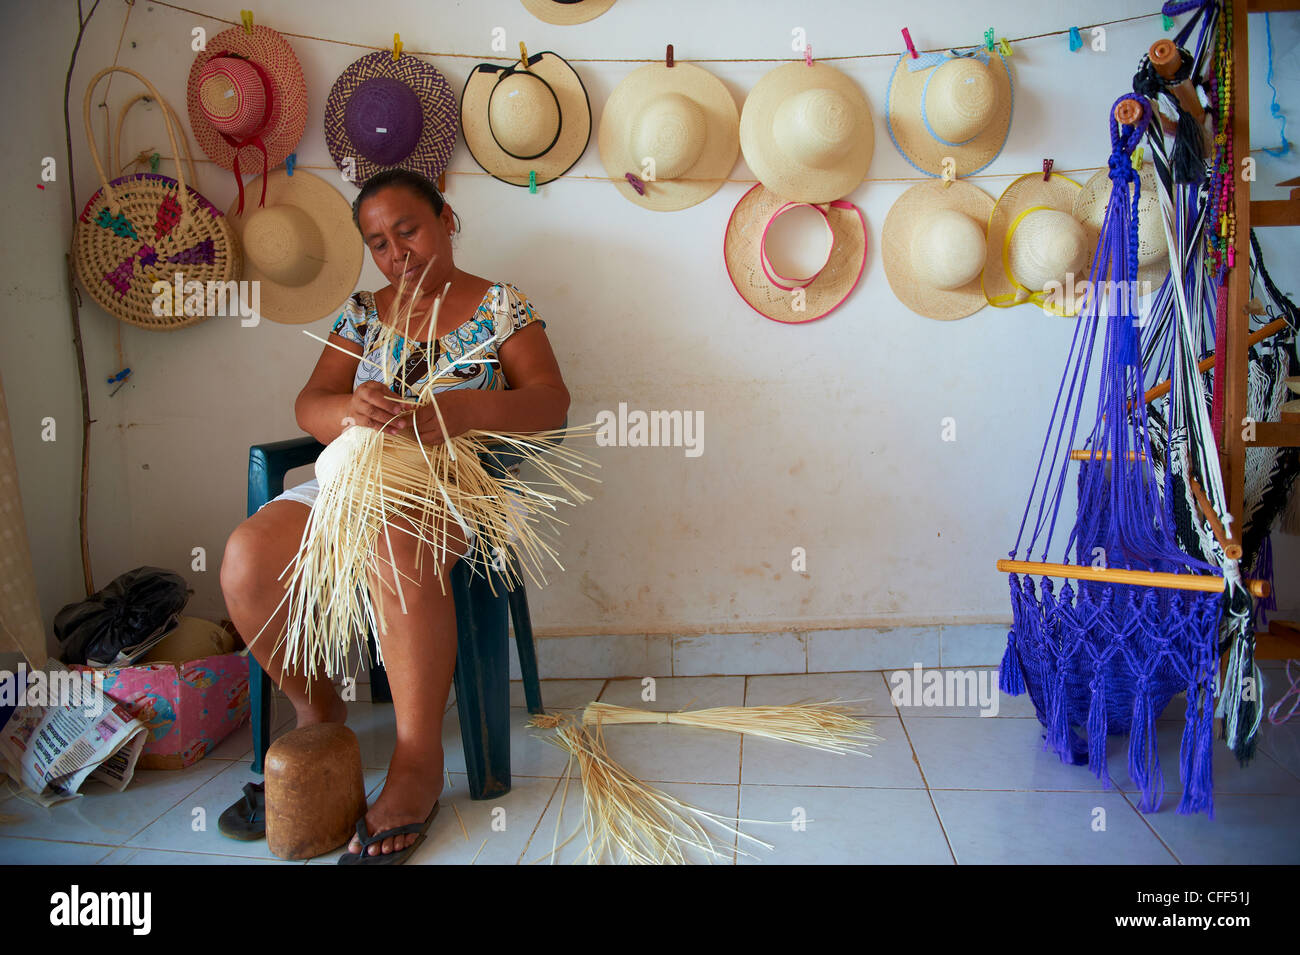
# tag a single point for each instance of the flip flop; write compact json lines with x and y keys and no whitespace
{"x":392,"y":858}
{"x":246,"y":819}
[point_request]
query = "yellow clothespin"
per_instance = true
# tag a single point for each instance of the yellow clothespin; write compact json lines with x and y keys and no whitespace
{"x":397,"y":46}
{"x":1137,"y":160}
{"x":247,"y":17}
{"x":523,"y":55}
{"x":1004,"y":47}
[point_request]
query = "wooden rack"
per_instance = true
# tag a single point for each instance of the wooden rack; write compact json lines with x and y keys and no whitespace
{"x":1283,"y":639}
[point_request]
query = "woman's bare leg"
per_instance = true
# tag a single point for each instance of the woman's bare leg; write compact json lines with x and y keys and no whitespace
{"x":419,"y":650}
{"x":256,"y":553}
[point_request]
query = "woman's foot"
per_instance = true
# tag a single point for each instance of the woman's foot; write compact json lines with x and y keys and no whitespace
{"x":412,"y":787}
{"x":324,"y":708}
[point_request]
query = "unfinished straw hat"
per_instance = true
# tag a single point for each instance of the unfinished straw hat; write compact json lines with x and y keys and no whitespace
{"x":1033,"y":239}
{"x":386,"y":114}
{"x":1153,"y":246}
{"x":567,"y":12}
{"x":806,"y":132}
{"x":519,"y":119}
{"x":247,"y":100}
{"x":681,"y":117}
{"x":773,"y":286}
{"x":947,"y":104}
{"x":301,"y":247}
{"x":145,"y":228}
{"x":933,"y":247}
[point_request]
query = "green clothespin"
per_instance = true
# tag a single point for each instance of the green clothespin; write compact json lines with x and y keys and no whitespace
{"x":1167,"y":22}
{"x":532,"y":181}
{"x":988,"y":39}
{"x":153,"y":162}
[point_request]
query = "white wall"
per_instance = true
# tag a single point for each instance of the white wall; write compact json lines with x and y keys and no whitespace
{"x":824,"y":436}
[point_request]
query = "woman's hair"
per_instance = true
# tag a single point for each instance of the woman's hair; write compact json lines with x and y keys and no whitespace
{"x":417,"y":183}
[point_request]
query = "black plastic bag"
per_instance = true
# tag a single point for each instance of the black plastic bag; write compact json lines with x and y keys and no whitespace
{"x":123,"y":621}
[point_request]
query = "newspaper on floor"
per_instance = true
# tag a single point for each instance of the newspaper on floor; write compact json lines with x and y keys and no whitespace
{"x":64,"y":731}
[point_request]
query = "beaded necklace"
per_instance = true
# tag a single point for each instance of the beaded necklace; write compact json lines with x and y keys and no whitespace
{"x":1220,"y":251}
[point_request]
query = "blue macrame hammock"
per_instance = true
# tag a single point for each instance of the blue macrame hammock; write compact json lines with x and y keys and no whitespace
{"x":1105,"y":658}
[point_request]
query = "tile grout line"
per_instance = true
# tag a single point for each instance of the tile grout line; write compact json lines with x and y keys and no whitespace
{"x":1141,"y":815}
{"x":920,"y":769}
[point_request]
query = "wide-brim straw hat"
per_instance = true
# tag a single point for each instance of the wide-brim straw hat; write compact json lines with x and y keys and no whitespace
{"x":236,"y":99}
{"x":682,"y":117}
{"x":302,"y":247}
{"x":1153,"y":247}
{"x":387,"y":114}
{"x":519,"y":119}
{"x":759,"y":282}
{"x":567,"y":12}
{"x":1034,"y":239}
{"x":806,"y":132}
{"x":942,"y":105}
{"x":934,"y":248}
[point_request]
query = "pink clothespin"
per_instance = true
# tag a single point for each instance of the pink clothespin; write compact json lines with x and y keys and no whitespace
{"x":907,"y":38}
{"x":1047,"y":169}
{"x":807,"y":54}
{"x":636,"y":183}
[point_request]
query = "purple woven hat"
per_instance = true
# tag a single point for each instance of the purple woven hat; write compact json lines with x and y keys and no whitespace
{"x":385,"y":114}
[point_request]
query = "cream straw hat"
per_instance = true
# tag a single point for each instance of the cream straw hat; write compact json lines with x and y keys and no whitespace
{"x":567,"y":12}
{"x":1153,"y":247}
{"x":769,"y":284}
{"x":806,"y":132}
{"x":934,"y":248}
{"x":683,"y":118}
{"x":940,"y":105}
{"x":1032,"y":240}
{"x":519,"y":119}
{"x":302,"y":248}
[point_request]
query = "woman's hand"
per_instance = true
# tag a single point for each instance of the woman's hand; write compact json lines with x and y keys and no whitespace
{"x":374,"y":406}
{"x":457,"y":415}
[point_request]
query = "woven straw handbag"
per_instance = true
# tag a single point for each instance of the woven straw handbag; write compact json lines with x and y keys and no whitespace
{"x":145,"y":228}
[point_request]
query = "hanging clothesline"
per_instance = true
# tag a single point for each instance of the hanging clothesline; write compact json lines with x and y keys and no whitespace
{"x":572,"y":59}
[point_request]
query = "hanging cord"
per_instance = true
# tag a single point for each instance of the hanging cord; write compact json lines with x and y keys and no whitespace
{"x":1273,"y":107}
{"x":1292,"y":694}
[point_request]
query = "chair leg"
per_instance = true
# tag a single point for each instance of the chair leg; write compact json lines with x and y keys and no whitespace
{"x":259,"y":695}
{"x":482,"y":682}
{"x":526,"y":649}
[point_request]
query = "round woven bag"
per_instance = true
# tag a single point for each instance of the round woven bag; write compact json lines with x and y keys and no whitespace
{"x":143,"y":229}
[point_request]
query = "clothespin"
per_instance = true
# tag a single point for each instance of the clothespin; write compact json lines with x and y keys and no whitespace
{"x":523,"y":55}
{"x":988,"y":39}
{"x":1076,"y":41}
{"x":1137,"y":160}
{"x":1047,"y":169}
{"x":807,"y":54}
{"x":397,"y":46}
{"x":1166,"y":22}
{"x":290,"y":161}
{"x":1004,"y":47}
{"x":947,"y":175}
{"x":532,"y":181}
{"x":121,"y":377}
{"x":153,"y":162}
{"x":247,"y":17}
{"x":668,"y":57}
{"x":636,"y":183}
{"x":907,"y":38}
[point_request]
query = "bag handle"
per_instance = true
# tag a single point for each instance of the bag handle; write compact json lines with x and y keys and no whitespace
{"x":114,"y":204}
{"x":171,"y":114}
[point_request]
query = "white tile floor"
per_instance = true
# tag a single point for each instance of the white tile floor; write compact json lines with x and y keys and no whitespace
{"x":942,"y":786}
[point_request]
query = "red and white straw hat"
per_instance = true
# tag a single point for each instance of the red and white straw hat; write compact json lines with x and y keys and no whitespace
{"x":247,"y":101}
{"x":779,"y":270}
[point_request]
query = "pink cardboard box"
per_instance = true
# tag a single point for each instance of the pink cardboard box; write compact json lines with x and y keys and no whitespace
{"x":188,"y":707}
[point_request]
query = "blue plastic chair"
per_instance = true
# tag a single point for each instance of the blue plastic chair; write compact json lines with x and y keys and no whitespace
{"x":482,"y":676}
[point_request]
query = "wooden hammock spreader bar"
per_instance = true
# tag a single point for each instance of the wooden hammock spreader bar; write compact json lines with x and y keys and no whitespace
{"x":1136,"y":578}
{"x":1268,"y":331}
{"x":1207,"y":511}
{"x":1082,"y":454}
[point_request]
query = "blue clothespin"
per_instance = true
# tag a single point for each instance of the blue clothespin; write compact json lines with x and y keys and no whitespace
{"x":290,"y":161}
{"x":121,"y":376}
{"x":1076,"y":41}
{"x":532,"y":181}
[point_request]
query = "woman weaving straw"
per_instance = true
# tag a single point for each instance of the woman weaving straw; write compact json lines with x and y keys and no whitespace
{"x":407,"y":226}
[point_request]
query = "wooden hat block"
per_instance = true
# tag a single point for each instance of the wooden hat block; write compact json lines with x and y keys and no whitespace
{"x":314,"y":790}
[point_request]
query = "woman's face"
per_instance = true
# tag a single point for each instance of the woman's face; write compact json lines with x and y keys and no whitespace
{"x":404,"y":235}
